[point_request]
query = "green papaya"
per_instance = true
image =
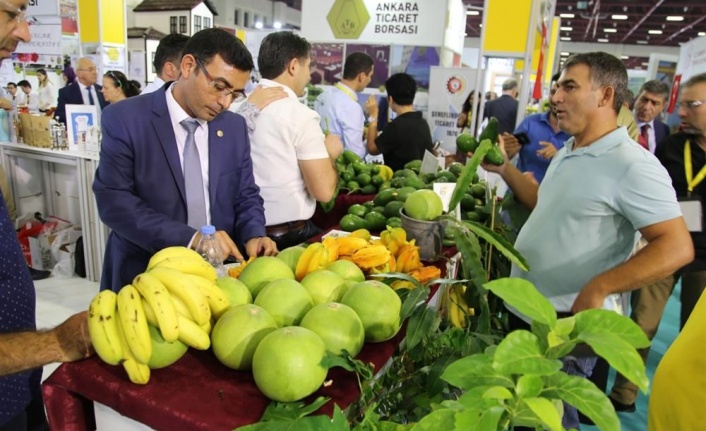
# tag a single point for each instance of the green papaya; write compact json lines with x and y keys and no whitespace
{"x":490,"y":131}
{"x":494,"y":156}
{"x":351,"y":157}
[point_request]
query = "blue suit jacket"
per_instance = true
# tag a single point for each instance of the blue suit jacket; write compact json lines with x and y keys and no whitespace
{"x":139,"y":184}
{"x":661,"y":131}
{"x":71,"y":95}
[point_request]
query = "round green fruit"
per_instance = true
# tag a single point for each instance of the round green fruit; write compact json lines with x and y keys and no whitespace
{"x":378,"y":307}
{"x":236,"y":291}
{"x":291,"y":255}
{"x":286,"y":300}
{"x":323,"y":286}
{"x":423,"y":205}
{"x":164,"y":354}
{"x":347,"y":270}
{"x":262,"y":270}
{"x":238,"y":333}
{"x":287,"y":364}
{"x":338,"y":325}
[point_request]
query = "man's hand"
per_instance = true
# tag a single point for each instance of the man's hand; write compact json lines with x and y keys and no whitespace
{"x":73,"y":339}
{"x":591,"y":296}
{"x":228,"y":247}
{"x":494,"y":168}
{"x":262,"y":96}
{"x":334,"y":145}
{"x":512,"y":145}
{"x":371,"y":105}
{"x":548,"y":151}
{"x":261,"y":246}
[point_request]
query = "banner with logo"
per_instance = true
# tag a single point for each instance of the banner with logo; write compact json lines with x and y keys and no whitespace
{"x":403,"y":22}
{"x":448,"y":89}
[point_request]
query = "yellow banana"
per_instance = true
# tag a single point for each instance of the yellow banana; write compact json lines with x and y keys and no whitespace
{"x":137,"y":372}
{"x":171,"y":252}
{"x":461,"y":294}
{"x":217,"y":299}
{"x":453,"y":310}
{"x":183,"y":289}
{"x":188,"y":265}
{"x":149,"y":314}
{"x":192,"y":334}
{"x":102,"y":318}
{"x":158,"y":297}
{"x":182,"y":309}
{"x":207,"y":327}
{"x":134,"y":323}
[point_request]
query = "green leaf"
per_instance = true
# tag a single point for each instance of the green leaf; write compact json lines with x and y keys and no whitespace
{"x":443,"y":419}
{"x":544,"y":409}
{"x":298,"y":409}
{"x":413,"y":299}
{"x":585,"y":396}
{"x":529,"y":386}
{"x":497,"y":241}
{"x":475,"y":370}
{"x":468,"y":419}
{"x":434,"y":384}
{"x":347,"y":362}
{"x":490,"y":419}
{"x":421,"y":324}
{"x":519,"y":353}
{"x":473,"y":398}
{"x":498,"y":393}
{"x":564,"y":326}
{"x":308,"y":423}
{"x":619,"y":354}
{"x":591,"y":321}
{"x":525,"y":298}
{"x":466,"y":177}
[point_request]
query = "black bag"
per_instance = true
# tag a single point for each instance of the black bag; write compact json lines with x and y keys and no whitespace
{"x":79,"y":259}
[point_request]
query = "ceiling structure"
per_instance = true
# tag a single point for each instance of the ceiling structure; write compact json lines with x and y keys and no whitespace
{"x":644,"y":22}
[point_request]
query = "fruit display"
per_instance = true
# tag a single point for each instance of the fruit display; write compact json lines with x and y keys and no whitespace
{"x":151,"y":322}
{"x":466,"y":143}
{"x":356,"y":176}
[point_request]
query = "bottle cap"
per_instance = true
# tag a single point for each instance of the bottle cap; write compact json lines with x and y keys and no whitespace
{"x":208,"y":230}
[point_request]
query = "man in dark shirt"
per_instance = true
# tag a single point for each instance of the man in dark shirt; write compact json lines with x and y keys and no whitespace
{"x":408,"y":135}
{"x":504,"y":108}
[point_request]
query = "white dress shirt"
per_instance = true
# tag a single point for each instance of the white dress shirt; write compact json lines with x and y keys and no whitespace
{"x":86,"y":99}
{"x":153,"y":86}
{"x":47,"y":96}
{"x":177,"y":114}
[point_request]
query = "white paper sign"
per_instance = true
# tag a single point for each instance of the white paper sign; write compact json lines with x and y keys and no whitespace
{"x":691,"y":210}
{"x":430,"y":163}
{"x":444,"y":190}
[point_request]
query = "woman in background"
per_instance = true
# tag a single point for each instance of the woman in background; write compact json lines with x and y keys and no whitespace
{"x":464,"y":118}
{"x":47,"y":93}
{"x":117,"y":87}
{"x":68,"y":75}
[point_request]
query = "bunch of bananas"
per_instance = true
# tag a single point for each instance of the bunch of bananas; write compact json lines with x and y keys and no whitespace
{"x":177,"y":294}
{"x":457,"y":310}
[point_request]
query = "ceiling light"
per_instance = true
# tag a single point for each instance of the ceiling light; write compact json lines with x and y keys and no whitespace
{"x":258,"y":25}
{"x":675,"y":18}
{"x":277,"y":25}
{"x":654,"y":31}
{"x":472,"y":12}
{"x":642,"y":42}
{"x":566,"y":28}
{"x":564,"y":54}
{"x":619,"y":17}
{"x":566,"y":15}
{"x":702,"y":33}
{"x":610,"y":30}
{"x":565,"y":38}
{"x":602,"y":40}
{"x":644,"y":63}
{"x":624,"y":57}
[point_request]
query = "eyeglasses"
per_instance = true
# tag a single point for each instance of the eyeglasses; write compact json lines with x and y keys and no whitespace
{"x":690,"y":105}
{"x":115,"y":78}
{"x":221,"y":88}
{"x":15,"y":13}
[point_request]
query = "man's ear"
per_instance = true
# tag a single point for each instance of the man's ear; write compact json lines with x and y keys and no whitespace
{"x":188,"y":65}
{"x":293,"y":66}
{"x":607,"y":96}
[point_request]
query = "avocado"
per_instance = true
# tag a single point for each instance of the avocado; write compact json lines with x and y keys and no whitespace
{"x":352,"y":222}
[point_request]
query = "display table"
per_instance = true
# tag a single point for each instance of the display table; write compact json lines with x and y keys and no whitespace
{"x":94,"y":232}
{"x":327,"y":220}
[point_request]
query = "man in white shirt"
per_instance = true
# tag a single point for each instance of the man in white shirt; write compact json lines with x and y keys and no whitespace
{"x":84,"y":91}
{"x":15,"y":96}
{"x":31,"y":97}
{"x":293,"y":161}
{"x":166,"y":62}
{"x":338,"y":106}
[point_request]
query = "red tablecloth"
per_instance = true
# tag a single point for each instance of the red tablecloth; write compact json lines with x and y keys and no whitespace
{"x":327,"y":220}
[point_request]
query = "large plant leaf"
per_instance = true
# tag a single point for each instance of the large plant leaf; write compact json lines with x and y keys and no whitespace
{"x":619,"y":354}
{"x":490,"y":419}
{"x":497,"y":241}
{"x":468,"y":419}
{"x":435,"y":385}
{"x":585,"y":396}
{"x":545,"y":411}
{"x":529,"y":386}
{"x":473,"y":371}
{"x":309,"y":423}
{"x":466,"y":177}
{"x":597,"y":321}
{"x":421,"y":324}
{"x":298,"y":409}
{"x":473,"y":398}
{"x":525,"y":298}
{"x":411,"y":300}
{"x":442,"y":419}
{"x":498,"y":393}
{"x":519,"y":353}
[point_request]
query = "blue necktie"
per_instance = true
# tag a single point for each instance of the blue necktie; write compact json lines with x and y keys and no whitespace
{"x":91,"y":101}
{"x":193,"y":179}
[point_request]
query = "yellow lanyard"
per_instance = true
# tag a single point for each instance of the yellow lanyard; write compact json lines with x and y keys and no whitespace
{"x":691,"y":182}
{"x":347,"y":90}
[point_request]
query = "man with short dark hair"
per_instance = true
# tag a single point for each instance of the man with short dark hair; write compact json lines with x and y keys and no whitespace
{"x":408,"y":135}
{"x":167,"y":57}
{"x":338,"y":106}
{"x":504,"y":108}
{"x":176,"y":159}
{"x":31,"y":97}
{"x":649,"y":104}
{"x":16,"y":97}
{"x":23,"y":349}
{"x":599,"y":190}
{"x":287,"y":139}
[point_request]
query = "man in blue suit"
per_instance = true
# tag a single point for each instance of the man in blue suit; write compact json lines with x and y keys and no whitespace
{"x":649,"y":104}
{"x":84,"y":91}
{"x":141,"y":189}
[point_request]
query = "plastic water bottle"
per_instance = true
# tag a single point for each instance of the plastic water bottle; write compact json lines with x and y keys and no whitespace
{"x":210,"y":250}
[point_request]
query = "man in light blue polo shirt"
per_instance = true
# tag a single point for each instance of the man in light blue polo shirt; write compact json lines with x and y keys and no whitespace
{"x":599,"y":190}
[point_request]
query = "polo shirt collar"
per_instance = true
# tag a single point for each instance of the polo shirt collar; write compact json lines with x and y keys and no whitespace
{"x":271,"y":83}
{"x":601,"y":146}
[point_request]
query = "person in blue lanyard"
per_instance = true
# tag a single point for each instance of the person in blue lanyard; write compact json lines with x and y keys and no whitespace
{"x":23,"y":349}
